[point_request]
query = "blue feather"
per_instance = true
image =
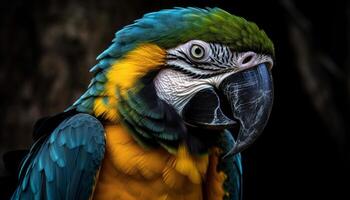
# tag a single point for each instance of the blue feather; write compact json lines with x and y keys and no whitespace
{"x":67,"y":162}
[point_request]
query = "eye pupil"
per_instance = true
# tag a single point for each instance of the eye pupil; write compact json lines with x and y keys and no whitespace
{"x":197,"y":52}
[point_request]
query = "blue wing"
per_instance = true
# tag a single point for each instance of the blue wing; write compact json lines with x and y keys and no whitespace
{"x":232,"y":167}
{"x":66,"y":163}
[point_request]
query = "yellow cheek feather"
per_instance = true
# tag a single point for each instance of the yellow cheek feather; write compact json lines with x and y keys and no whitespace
{"x":123,"y":75}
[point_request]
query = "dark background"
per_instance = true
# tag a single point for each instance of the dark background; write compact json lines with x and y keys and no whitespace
{"x":47,"y":47}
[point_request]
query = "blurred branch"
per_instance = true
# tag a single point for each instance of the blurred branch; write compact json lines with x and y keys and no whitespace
{"x":315,"y":68}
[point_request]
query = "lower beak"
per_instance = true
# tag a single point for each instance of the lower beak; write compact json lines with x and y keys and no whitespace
{"x":250,"y":93}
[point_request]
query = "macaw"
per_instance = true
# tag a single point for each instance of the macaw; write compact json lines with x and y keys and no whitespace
{"x":159,"y":117}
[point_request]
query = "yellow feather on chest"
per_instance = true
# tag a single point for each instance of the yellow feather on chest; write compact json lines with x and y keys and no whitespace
{"x":130,"y":172}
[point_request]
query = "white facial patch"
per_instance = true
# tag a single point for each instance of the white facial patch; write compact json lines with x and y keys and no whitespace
{"x":177,"y":88}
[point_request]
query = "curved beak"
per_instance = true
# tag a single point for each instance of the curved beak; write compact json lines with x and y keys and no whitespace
{"x":244,"y":98}
{"x":250,"y":93}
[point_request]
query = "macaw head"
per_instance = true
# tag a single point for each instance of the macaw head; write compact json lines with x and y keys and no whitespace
{"x":185,"y":75}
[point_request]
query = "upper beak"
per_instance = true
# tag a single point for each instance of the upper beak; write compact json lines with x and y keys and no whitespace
{"x":249,"y":95}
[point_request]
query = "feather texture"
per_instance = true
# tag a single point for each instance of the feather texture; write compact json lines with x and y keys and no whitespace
{"x":65,"y":165}
{"x":130,"y":171}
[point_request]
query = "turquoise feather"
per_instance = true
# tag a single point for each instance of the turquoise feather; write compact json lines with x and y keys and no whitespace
{"x":66,"y":163}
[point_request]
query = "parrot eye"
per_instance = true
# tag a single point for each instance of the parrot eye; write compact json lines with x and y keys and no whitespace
{"x":197,"y":51}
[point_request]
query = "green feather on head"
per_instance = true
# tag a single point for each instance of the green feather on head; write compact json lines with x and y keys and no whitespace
{"x":171,"y":27}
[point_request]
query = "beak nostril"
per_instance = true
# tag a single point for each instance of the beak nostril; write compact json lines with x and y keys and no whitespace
{"x":247,"y":59}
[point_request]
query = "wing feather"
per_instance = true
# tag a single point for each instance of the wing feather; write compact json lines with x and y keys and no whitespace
{"x":66,"y":163}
